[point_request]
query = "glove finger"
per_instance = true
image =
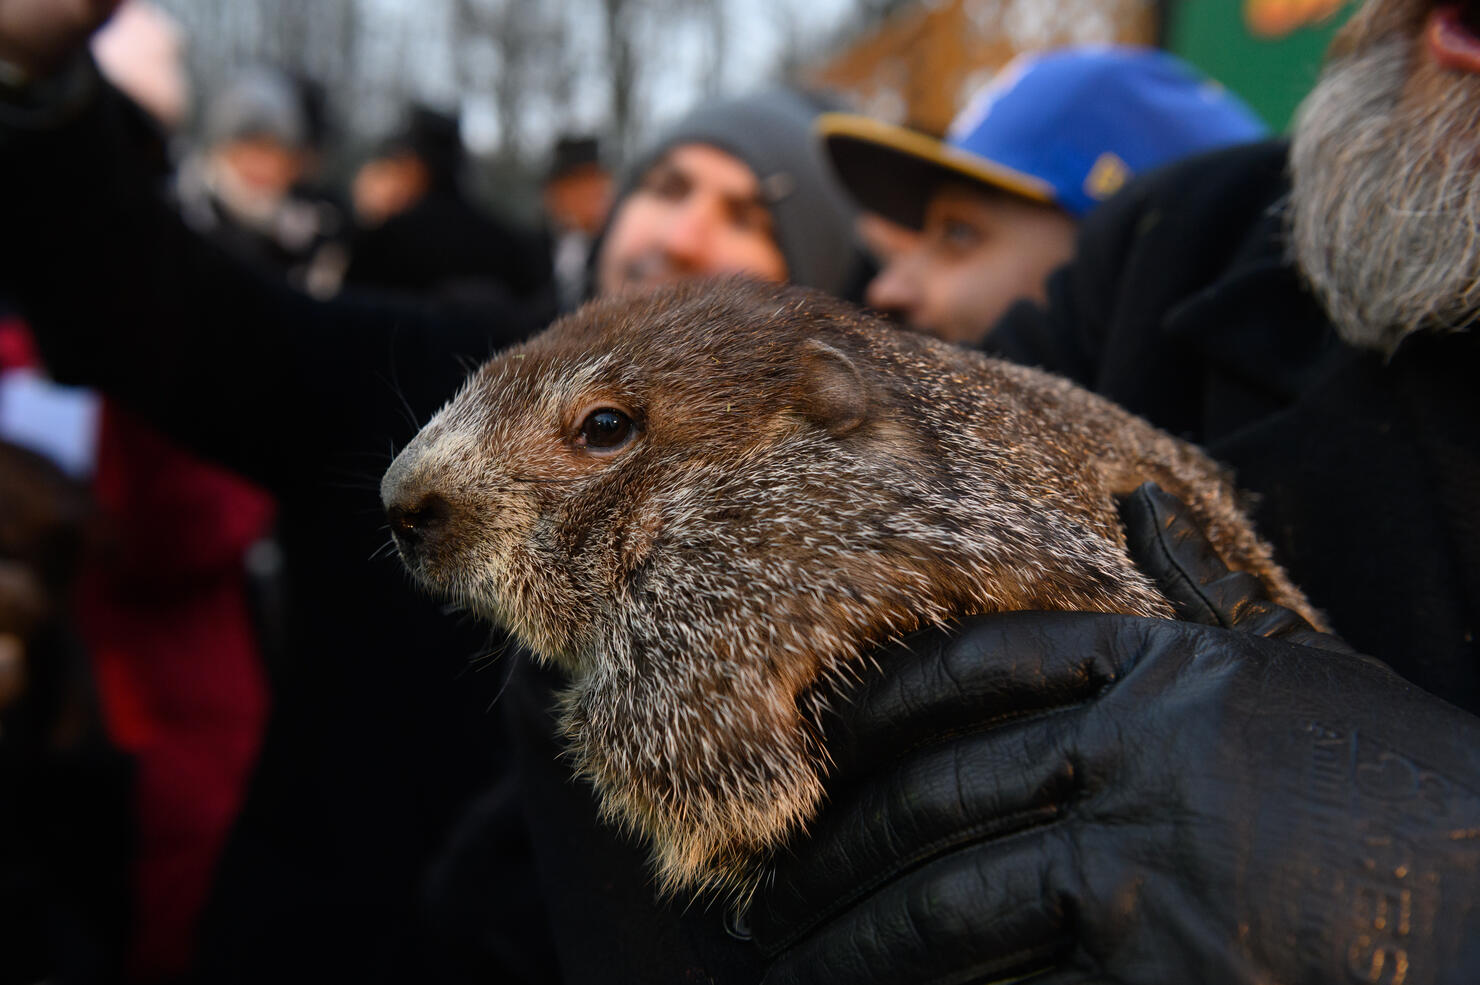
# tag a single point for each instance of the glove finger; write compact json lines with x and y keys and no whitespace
{"x":1169,"y":546}
{"x":993,"y":670}
{"x":990,"y":912}
{"x":973,"y":789}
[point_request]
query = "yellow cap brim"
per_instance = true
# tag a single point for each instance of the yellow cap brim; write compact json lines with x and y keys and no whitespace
{"x":893,"y":171}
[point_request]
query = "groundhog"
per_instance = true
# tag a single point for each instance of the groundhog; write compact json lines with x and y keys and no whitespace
{"x":709,"y":504}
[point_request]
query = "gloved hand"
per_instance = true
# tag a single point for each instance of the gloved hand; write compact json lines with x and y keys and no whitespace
{"x":1110,"y":799}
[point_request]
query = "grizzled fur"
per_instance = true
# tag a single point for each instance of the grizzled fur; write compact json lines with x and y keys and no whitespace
{"x":805,"y":483}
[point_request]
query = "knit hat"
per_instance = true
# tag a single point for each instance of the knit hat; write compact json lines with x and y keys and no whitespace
{"x":1067,"y":127}
{"x":258,"y":102}
{"x":771,"y":132}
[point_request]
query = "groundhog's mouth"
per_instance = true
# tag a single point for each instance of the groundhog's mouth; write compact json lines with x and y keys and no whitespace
{"x":451,"y":583}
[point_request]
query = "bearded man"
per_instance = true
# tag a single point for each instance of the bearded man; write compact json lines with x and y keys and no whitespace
{"x":1093,"y":799}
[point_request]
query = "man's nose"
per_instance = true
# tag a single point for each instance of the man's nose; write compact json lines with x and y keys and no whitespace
{"x":689,"y":233}
{"x":894,"y":289}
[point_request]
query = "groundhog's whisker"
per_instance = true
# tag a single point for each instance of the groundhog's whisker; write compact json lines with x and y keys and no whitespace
{"x":393,"y":384}
{"x":504,"y":684}
{"x":486,"y":658}
{"x":355,"y":482}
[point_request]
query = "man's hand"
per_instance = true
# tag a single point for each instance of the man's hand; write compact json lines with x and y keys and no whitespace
{"x":1109,"y":799}
{"x":37,"y":36}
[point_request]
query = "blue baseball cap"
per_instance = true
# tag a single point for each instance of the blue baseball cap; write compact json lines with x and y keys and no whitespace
{"x":1066,"y":127}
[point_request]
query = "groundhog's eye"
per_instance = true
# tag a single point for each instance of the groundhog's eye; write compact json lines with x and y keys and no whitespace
{"x":606,"y":429}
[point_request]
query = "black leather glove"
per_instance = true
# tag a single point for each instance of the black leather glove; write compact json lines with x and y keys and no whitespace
{"x":1087,"y":798}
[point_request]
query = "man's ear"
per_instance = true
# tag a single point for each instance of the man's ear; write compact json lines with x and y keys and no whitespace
{"x":833,"y":392}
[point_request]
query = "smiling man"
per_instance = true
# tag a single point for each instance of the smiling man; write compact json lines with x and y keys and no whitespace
{"x":697,"y":208}
{"x":736,"y":186}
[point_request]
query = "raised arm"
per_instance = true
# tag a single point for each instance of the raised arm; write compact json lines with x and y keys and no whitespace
{"x":125,"y":298}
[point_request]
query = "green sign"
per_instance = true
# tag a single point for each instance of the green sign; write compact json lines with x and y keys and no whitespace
{"x":1267,"y":51}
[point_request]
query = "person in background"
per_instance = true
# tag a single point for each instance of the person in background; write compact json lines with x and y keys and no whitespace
{"x":420,"y":233}
{"x":576,"y":194}
{"x":737,"y":186}
{"x":242,"y":187}
{"x":998,"y":203}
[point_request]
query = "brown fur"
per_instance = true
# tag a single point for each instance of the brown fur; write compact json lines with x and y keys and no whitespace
{"x":807,"y":483}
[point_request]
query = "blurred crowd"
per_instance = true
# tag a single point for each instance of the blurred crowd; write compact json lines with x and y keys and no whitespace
{"x":153,"y":686}
{"x":236,"y":745}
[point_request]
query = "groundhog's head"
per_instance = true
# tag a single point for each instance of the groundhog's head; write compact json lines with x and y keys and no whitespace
{"x":538,"y":495}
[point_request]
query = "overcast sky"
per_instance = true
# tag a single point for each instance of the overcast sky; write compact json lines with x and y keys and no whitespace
{"x":377,"y":54}
{"x":756,"y":32}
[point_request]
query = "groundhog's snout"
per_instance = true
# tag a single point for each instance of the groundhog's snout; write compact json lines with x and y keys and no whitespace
{"x":415,"y":524}
{"x":419,"y":517}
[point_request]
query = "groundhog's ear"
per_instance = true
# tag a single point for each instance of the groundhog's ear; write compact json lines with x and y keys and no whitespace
{"x":834,"y":394}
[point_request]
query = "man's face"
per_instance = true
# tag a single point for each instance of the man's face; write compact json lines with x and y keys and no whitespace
{"x":696,"y":212}
{"x":387,"y":186}
{"x":978,"y":252}
{"x":579,"y":199}
{"x":252,"y":175}
{"x":262,"y":163}
{"x":1385,"y":166}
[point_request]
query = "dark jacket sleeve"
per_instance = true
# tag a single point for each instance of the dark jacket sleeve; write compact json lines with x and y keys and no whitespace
{"x":124,"y":298}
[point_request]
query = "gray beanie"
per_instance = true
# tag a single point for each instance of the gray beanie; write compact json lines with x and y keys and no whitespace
{"x":771,"y":132}
{"x":259,"y":101}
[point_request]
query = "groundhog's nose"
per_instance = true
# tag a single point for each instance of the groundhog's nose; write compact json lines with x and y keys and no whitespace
{"x":419,"y":524}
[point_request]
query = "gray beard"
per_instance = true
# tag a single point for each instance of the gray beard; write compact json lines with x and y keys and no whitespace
{"x":1385,"y":202}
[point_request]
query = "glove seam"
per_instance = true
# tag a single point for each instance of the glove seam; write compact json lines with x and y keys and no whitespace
{"x":997,"y":830}
{"x":1003,"y":720}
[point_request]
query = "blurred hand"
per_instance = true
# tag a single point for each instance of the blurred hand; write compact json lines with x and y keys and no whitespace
{"x":24,"y":607}
{"x":12,"y":669}
{"x":43,"y":518}
{"x":37,"y":36}
{"x":1093,"y":798}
